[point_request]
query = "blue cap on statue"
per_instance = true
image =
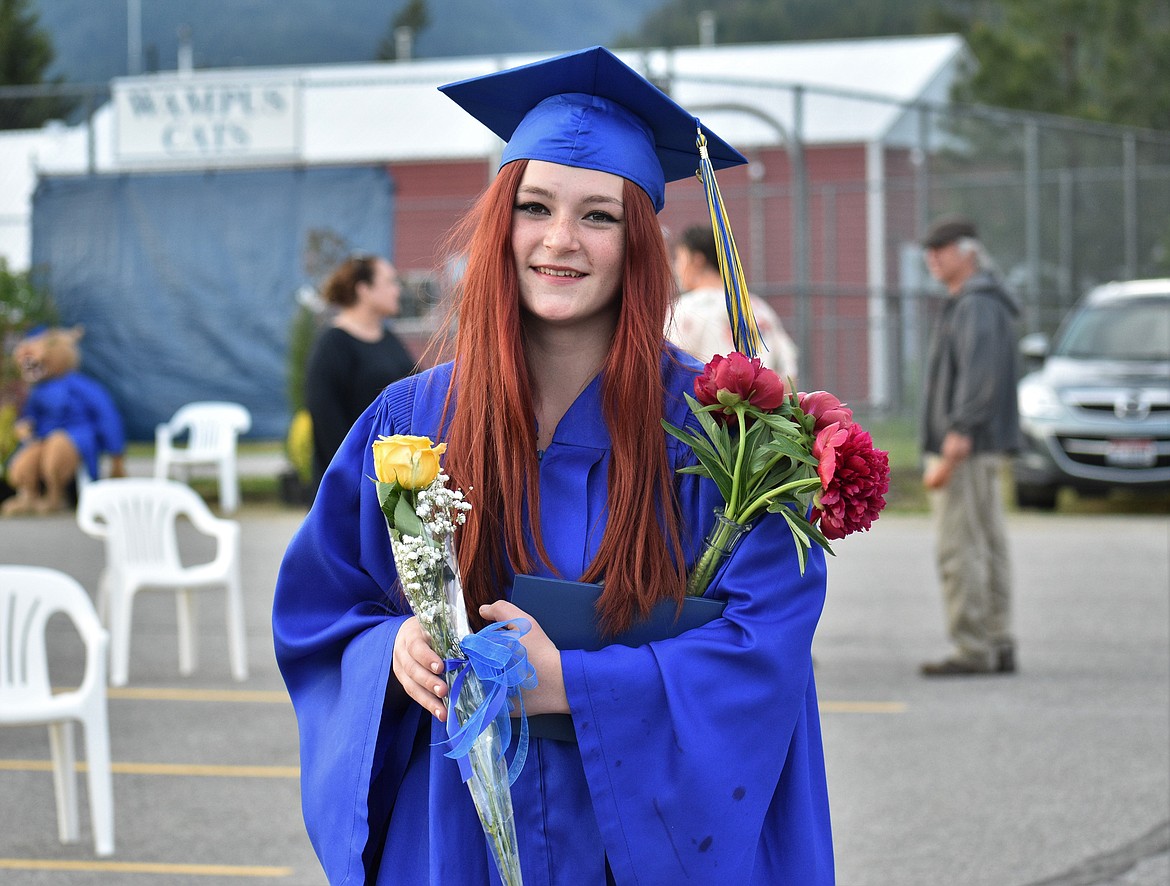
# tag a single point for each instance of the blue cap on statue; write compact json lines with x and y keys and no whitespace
{"x":590,"y":110}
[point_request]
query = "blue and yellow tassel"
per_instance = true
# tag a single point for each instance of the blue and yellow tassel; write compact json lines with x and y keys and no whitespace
{"x":744,"y":332}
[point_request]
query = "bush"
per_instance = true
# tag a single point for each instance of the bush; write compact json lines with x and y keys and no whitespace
{"x":24,"y":303}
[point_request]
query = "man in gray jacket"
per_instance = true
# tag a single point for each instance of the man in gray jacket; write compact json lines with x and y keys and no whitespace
{"x":970,"y":426}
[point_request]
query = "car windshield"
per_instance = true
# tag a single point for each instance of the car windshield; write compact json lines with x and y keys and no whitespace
{"x":1132,"y":330}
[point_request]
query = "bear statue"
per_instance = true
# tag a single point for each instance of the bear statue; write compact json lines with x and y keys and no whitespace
{"x":68,"y":421}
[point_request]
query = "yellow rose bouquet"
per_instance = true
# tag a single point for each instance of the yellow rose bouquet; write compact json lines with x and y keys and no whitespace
{"x":486,"y":670}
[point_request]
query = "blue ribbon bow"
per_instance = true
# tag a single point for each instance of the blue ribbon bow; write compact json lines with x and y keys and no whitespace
{"x":500,"y":661}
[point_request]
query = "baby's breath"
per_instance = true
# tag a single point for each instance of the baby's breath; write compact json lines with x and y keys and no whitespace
{"x":441,"y":509}
{"x":429,"y":575}
{"x":420,"y":559}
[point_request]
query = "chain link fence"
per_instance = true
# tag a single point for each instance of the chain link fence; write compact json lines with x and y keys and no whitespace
{"x":828,"y":230}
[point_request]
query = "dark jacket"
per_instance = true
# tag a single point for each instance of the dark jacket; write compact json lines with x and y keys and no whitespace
{"x":971,"y":373}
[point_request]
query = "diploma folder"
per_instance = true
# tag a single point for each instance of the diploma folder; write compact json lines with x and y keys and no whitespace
{"x":566,"y":610}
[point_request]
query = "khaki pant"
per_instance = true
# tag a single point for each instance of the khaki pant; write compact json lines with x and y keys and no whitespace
{"x":973,"y":559}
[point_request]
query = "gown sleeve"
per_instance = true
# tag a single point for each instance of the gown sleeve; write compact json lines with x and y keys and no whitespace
{"x":335,"y":617}
{"x":703,"y":752}
{"x":104,"y":416}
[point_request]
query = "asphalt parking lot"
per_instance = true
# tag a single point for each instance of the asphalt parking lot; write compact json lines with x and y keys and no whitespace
{"x":1059,"y":775}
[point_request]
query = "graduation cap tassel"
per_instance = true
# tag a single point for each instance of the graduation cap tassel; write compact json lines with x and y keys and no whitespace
{"x":744,"y":332}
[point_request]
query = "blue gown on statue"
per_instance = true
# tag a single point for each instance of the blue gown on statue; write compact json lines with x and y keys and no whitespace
{"x":80,"y":406}
{"x":699,"y":757}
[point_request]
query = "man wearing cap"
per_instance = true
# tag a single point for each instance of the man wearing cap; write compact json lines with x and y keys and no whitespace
{"x":970,"y":427}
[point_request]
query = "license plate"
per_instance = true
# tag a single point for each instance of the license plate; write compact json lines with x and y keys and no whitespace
{"x":1131,"y":453}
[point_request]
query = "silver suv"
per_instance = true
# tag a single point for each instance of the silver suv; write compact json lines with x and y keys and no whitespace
{"x":1096,"y":415}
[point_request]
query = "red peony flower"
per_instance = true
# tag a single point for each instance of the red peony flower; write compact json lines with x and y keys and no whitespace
{"x":735,"y":379}
{"x":826,"y":409}
{"x":858,"y":481}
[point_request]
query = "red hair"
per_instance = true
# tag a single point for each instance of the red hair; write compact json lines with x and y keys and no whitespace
{"x":491,"y":437}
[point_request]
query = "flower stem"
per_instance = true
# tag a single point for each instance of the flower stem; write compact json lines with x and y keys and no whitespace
{"x":749,"y":513}
{"x":720,"y":541}
{"x":737,"y":474}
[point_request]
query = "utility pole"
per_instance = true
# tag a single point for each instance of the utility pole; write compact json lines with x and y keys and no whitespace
{"x":133,"y":37}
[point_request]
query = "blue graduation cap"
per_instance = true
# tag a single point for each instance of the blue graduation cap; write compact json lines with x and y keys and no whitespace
{"x":590,"y":110}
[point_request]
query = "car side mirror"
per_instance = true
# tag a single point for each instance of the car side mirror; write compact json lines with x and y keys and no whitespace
{"x":1034,"y":347}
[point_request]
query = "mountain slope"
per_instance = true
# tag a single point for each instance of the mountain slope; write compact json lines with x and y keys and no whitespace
{"x":90,"y":35}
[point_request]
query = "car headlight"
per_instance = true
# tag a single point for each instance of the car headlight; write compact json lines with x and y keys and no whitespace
{"x":1039,"y":401}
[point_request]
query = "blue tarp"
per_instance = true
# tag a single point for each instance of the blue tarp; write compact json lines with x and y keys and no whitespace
{"x":186,"y":282}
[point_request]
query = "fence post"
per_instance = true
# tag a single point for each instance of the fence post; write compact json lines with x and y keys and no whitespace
{"x":876,"y":270}
{"x":1032,"y":223}
{"x":800,"y":232}
{"x":1129,"y":202}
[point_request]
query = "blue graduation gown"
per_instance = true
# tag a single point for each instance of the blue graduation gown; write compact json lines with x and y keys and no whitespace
{"x":699,"y":757}
{"x":80,"y":406}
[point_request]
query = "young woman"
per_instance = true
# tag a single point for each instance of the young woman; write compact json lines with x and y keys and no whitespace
{"x":698,"y":759}
{"x":356,"y":356}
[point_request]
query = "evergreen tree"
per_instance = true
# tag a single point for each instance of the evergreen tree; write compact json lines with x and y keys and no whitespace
{"x":1105,"y":60}
{"x":413,"y":15}
{"x":25,"y":55}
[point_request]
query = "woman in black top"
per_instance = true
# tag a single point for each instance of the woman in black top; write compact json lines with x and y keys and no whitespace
{"x":354,"y":357}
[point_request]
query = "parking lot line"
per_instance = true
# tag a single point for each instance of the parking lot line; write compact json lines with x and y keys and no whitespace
{"x":184,"y":769}
{"x":863,"y":707}
{"x":279,"y":697}
{"x":137,"y":693}
{"x":144,"y":867}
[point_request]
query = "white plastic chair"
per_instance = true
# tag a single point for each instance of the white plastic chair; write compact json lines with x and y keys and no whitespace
{"x":212,"y":429}
{"x":29,"y":595}
{"x":137,"y":519}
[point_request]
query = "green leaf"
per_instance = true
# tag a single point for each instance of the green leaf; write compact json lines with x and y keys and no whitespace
{"x":710,"y":464}
{"x":792,"y":449}
{"x":716,"y":471}
{"x":781,"y":425}
{"x":388,"y":494}
{"x":757,"y":459}
{"x":806,"y":529}
{"x":691,"y":439}
{"x":406,"y":520}
{"x":716,"y":432}
{"x":798,"y":537}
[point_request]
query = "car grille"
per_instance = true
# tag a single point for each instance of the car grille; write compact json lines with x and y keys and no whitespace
{"x":1157,"y":409}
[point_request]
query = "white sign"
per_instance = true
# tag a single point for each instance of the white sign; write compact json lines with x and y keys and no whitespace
{"x":193,"y":121}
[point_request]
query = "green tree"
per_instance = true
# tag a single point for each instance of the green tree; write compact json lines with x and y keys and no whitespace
{"x":413,"y":15}
{"x":24,"y":303}
{"x":1104,"y":60}
{"x":25,"y":55}
{"x":1101,"y":60}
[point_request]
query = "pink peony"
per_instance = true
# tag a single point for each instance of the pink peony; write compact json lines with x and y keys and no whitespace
{"x":735,"y":379}
{"x":826,"y":409}
{"x":859,"y":477}
{"x":825,"y":451}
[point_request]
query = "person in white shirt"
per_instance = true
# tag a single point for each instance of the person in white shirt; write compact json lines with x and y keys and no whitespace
{"x":699,"y":324}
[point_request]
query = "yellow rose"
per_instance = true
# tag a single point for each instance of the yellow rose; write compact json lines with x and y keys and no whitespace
{"x":411,"y":462}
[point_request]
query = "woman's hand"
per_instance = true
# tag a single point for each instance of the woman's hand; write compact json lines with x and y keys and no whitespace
{"x":548,"y":697}
{"x":419,"y":668}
